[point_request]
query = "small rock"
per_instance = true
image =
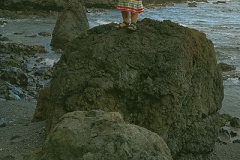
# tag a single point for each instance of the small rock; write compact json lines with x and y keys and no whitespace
{"x":3,"y":38}
{"x":226,"y":67}
{"x":235,"y":122}
{"x":44,"y":34}
{"x":217,"y":2}
{"x":192,"y":4}
{"x":18,"y":33}
{"x":2,"y":123}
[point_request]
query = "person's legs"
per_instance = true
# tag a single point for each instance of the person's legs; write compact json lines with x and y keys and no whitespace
{"x":125,"y":17}
{"x":134,"y":17}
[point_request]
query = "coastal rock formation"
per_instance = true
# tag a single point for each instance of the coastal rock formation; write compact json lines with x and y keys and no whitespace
{"x":163,"y":77}
{"x":22,"y":71}
{"x":53,"y":5}
{"x":226,"y":67}
{"x":100,"y":135}
{"x":43,"y":104}
{"x":14,"y":48}
{"x":70,"y":24}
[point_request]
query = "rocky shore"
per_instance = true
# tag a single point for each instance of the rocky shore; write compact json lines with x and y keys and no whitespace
{"x":24,"y":73}
{"x":19,"y":136}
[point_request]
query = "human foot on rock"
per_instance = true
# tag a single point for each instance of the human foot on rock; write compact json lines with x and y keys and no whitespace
{"x":122,"y":25}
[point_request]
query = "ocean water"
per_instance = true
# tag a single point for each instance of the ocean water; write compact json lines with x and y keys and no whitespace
{"x":220,"y":22}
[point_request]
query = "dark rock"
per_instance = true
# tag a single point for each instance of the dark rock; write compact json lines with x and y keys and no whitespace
{"x":13,"y":48}
{"x":3,"y":38}
{"x":226,"y":67}
{"x":236,"y":141}
{"x":235,"y":122}
{"x":2,"y":123}
{"x":15,"y":76}
{"x":218,"y":2}
{"x":3,"y":23}
{"x":53,"y":5}
{"x":192,"y":4}
{"x":43,"y":104}
{"x":11,"y":61}
{"x":70,"y":24}
{"x":163,"y":77}
{"x":18,"y":33}
{"x":228,"y":134}
{"x":100,"y":135}
{"x":44,"y":34}
{"x":40,"y":71}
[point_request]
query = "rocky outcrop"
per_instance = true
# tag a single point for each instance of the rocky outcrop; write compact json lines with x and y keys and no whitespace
{"x":22,"y":71}
{"x":101,"y":135}
{"x":43,"y":104}
{"x":163,"y":77}
{"x":57,"y":5}
{"x":226,"y":67}
{"x":230,"y":131}
{"x":70,"y":24}
{"x":7,"y":48}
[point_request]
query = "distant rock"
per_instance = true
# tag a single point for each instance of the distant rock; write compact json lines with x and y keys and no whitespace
{"x":100,"y":135}
{"x":43,"y":104}
{"x":218,"y":2}
{"x":226,"y":67}
{"x":192,"y":4}
{"x":44,"y":34}
{"x":4,"y":38}
{"x":70,"y":24}
{"x":53,"y":5}
{"x":2,"y":123}
{"x":230,"y":132}
{"x":21,"y":49}
{"x":15,"y":76}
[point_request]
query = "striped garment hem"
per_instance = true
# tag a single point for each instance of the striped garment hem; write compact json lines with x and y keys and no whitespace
{"x":130,"y":9}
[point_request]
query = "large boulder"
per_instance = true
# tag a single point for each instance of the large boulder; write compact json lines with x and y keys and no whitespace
{"x":163,"y":77}
{"x":70,"y":24}
{"x":100,"y":135}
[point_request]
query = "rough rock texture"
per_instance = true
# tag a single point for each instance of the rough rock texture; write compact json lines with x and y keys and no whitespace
{"x":7,"y":48}
{"x":70,"y":24}
{"x":163,"y":77}
{"x":100,"y":135}
{"x":23,"y":70}
{"x":226,"y":67}
{"x":43,"y":104}
{"x":58,"y":5}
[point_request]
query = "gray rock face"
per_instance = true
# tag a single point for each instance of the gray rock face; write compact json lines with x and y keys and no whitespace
{"x":53,"y":5}
{"x":98,"y":135}
{"x":70,"y":24}
{"x":58,"y":5}
{"x":163,"y":77}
